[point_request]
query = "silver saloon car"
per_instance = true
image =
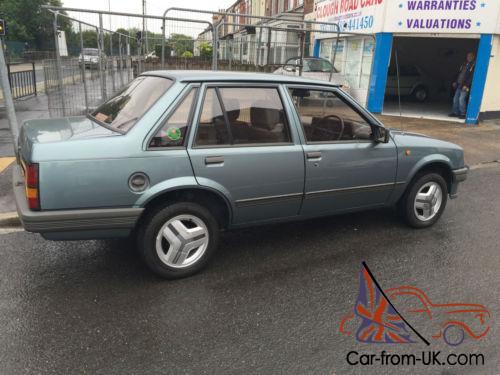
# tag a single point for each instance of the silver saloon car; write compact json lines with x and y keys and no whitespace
{"x":314,"y":68}
{"x":177,"y":156}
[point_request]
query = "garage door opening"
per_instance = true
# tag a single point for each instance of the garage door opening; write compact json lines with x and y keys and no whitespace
{"x":428,"y":66}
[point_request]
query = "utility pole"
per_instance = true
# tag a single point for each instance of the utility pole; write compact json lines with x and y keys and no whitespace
{"x":109,"y":9}
{"x":144,"y":28}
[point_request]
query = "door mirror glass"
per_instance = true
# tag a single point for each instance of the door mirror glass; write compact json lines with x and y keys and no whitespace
{"x":382,"y":135}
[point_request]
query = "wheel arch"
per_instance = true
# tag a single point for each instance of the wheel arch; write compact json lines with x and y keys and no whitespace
{"x":418,"y":85}
{"x":440,"y":165}
{"x":211,"y":199}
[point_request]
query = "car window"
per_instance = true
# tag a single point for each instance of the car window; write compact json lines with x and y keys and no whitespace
{"x":251,"y":116}
{"x":91,"y":52}
{"x":122,"y":111}
{"x":325,"y":117}
{"x":408,"y":303}
{"x":173,"y":132}
{"x":404,"y":71}
{"x":410,"y":71}
{"x":317,"y":66}
{"x":212,"y":128}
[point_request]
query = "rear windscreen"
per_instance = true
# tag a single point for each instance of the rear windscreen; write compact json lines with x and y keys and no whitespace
{"x":122,"y":111}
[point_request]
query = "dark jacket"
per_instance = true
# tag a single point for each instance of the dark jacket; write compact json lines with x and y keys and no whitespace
{"x":469,"y":74}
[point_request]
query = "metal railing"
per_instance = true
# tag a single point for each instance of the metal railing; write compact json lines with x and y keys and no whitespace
{"x":22,"y":82}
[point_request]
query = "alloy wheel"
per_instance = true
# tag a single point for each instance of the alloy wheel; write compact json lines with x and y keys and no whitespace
{"x":182,"y":241}
{"x":428,"y":201}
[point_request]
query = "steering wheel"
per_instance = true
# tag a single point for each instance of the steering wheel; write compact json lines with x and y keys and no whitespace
{"x":342,"y":126}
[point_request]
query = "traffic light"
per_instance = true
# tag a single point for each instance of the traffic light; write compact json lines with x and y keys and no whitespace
{"x":3,"y":28}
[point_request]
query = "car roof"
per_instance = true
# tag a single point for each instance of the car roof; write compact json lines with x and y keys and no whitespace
{"x":309,"y":58}
{"x":223,"y":76}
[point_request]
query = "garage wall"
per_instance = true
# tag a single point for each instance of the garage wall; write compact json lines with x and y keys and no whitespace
{"x":491,"y":98}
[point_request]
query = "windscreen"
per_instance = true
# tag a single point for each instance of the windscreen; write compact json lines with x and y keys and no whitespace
{"x":124,"y":110}
{"x":317,"y":66}
{"x":91,"y":52}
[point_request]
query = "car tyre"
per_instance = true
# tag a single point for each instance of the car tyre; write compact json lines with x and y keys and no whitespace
{"x":178,"y":240}
{"x":425,"y":200}
{"x":420,"y":94}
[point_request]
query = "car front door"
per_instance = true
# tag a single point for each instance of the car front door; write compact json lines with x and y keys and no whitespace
{"x":346,"y":169}
{"x":245,"y":148}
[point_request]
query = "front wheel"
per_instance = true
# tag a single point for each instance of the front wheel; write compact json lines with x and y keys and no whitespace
{"x":424,"y":202}
{"x":178,"y":240}
{"x":420,"y":94}
{"x":454,"y":335}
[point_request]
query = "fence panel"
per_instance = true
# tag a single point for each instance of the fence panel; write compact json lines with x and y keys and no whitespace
{"x":106,"y":50}
{"x":96,"y":66}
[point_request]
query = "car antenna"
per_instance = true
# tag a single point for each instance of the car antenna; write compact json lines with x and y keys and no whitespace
{"x":399,"y":90}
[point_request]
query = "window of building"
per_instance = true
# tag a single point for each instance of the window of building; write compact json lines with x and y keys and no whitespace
{"x":325,"y":117}
{"x":252,"y":116}
{"x":173,"y":132}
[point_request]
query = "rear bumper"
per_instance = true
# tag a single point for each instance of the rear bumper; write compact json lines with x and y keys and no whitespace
{"x":458,"y":176}
{"x":73,"y":224}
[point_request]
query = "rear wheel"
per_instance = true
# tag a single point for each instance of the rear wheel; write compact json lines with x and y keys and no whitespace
{"x":178,"y":240}
{"x":424,"y":202}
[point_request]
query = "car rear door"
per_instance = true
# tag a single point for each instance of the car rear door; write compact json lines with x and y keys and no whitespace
{"x":245,"y":148}
{"x":345,"y":168}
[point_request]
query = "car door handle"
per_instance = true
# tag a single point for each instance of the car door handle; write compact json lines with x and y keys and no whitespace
{"x":209,"y":160}
{"x":313,"y":155}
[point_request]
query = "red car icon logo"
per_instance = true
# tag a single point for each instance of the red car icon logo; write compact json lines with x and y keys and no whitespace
{"x":453,"y":322}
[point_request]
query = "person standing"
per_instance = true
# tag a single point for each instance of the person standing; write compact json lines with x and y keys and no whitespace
{"x":462,"y":85}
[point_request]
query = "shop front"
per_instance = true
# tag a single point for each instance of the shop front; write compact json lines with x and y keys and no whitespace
{"x":411,"y":51}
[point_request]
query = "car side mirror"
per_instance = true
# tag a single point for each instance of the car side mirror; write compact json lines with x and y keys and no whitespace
{"x":382,"y":135}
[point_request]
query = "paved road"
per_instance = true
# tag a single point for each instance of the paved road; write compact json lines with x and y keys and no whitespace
{"x":270,"y":302}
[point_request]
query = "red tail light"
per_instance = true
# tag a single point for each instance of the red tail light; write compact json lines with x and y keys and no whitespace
{"x":32,"y":185}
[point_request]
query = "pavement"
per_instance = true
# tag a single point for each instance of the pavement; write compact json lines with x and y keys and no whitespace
{"x":481,"y":143}
{"x":271,"y":300}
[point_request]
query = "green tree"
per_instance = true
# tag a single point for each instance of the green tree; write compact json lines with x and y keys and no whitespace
{"x":31,"y":24}
{"x":187,"y":54}
{"x":168,"y":50}
{"x":181,"y":43}
{"x":206,"y":50}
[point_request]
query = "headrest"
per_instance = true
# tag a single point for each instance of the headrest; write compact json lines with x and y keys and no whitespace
{"x":232,"y":107}
{"x":264,"y":117}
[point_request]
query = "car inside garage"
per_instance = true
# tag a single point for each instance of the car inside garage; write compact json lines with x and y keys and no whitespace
{"x":427,"y":69}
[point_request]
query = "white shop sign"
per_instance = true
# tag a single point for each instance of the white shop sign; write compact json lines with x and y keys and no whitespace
{"x":442,"y":16}
{"x":410,"y":16}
